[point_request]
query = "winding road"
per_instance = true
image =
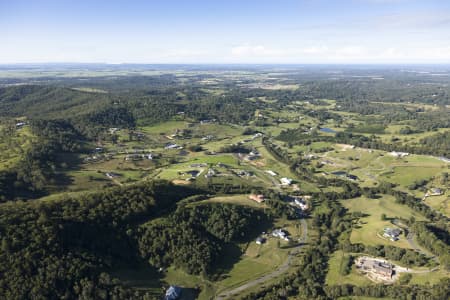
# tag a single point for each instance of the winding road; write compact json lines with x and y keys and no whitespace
{"x":279,"y":271}
{"x":411,"y":242}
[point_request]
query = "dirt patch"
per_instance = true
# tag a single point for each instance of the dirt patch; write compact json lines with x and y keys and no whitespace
{"x":180,"y":182}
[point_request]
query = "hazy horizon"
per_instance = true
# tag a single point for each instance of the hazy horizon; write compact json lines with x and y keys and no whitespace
{"x":305,"y":32}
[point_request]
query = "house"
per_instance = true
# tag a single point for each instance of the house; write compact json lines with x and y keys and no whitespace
{"x":173,"y":293}
{"x":257,"y":135}
{"x":133,"y":157}
{"x":392,"y":233}
{"x":398,"y":154}
{"x":98,"y":149}
{"x":300,"y":202}
{"x":113,"y":130}
{"x":242,"y":173}
{"x":435,"y":192}
{"x":207,"y":138}
{"x":258,"y":198}
{"x":280,"y":233}
{"x":260,"y":240}
{"x":270,"y":172}
{"x":253,"y":155}
{"x":352,"y":177}
{"x":210,"y":173}
{"x":383,"y":269}
{"x":111,"y":175}
{"x":310,"y":156}
{"x":286,"y":181}
{"x":172,"y":146}
{"x":221,"y":165}
{"x":199,"y":165}
{"x":20,"y":124}
{"x":207,"y":121}
{"x":193,"y":173}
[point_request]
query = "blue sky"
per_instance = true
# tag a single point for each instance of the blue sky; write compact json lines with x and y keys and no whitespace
{"x":225,"y":31}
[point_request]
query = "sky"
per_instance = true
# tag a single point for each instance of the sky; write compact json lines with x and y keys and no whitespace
{"x":225,"y":31}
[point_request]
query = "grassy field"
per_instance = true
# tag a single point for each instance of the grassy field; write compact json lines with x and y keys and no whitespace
{"x":440,"y":203}
{"x":429,"y":278}
{"x":335,"y":278}
{"x":368,"y":229}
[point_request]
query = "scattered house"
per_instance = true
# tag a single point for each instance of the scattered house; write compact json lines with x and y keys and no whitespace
{"x":270,"y":172}
{"x":173,"y":293}
{"x":300,"y":201}
{"x":183,"y":153}
{"x":111,"y":175}
{"x":444,"y":159}
{"x":257,"y":135}
{"x":98,"y":150}
{"x":139,"y":135}
{"x":242,"y":173}
{"x":435,"y":192}
{"x":398,"y":154}
{"x":149,"y":156}
{"x":133,"y":157}
{"x":280,"y":233}
{"x":352,"y":177}
{"x":286,"y":181}
{"x":20,"y":124}
{"x":199,"y":165}
{"x":207,"y":121}
{"x":221,"y":165}
{"x":258,"y":198}
{"x":310,"y":156}
{"x":113,"y":130}
{"x":193,"y":173}
{"x":260,"y":240}
{"x":207,"y":138}
{"x":392,"y":233}
{"x":253,"y":155}
{"x":172,"y":146}
{"x":210,"y":173}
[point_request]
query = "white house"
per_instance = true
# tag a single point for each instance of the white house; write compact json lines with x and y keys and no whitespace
{"x":270,"y":172}
{"x":286,"y":181}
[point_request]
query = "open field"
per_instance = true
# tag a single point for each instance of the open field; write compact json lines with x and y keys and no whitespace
{"x":335,"y":278}
{"x":369,"y":228}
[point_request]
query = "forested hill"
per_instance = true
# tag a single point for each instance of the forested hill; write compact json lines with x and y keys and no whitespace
{"x":49,"y":102}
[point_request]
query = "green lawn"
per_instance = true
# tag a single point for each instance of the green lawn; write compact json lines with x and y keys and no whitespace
{"x":335,"y":278}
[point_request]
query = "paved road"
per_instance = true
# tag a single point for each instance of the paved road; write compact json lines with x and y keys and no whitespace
{"x":411,"y":242}
{"x":281,"y":270}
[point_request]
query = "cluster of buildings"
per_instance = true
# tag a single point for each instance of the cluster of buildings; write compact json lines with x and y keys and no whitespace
{"x":375,"y":268}
{"x":136,"y":156}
